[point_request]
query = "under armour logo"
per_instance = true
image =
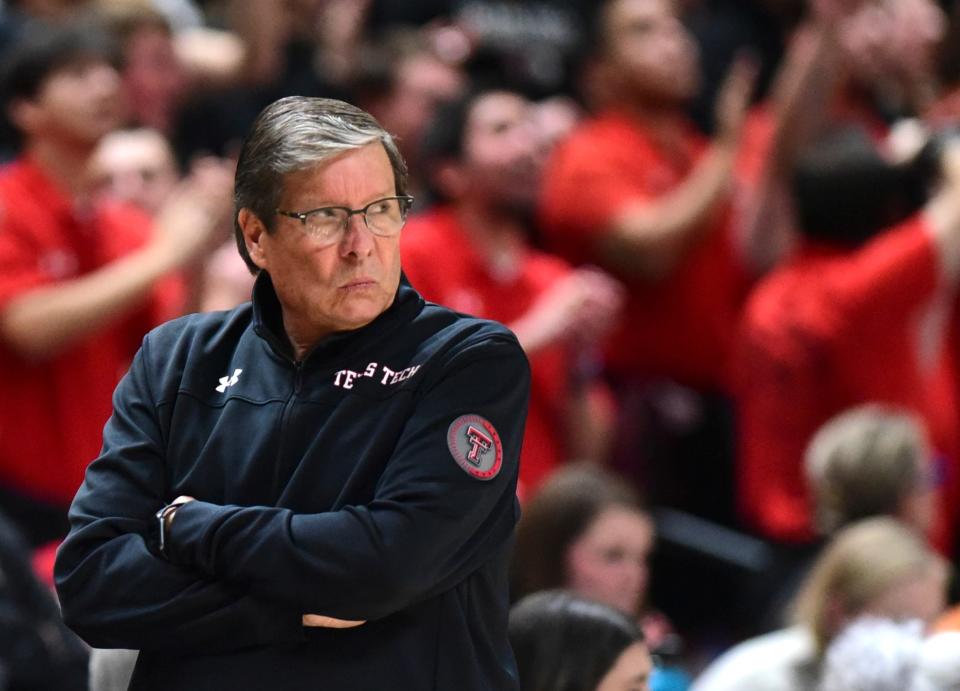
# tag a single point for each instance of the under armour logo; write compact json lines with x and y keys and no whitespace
{"x":480,"y":443}
{"x":226,"y":382}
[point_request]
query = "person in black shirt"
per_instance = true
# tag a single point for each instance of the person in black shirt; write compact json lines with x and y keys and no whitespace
{"x":316,"y":489}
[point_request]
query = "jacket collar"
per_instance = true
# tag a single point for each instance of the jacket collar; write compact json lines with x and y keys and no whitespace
{"x":268,"y":323}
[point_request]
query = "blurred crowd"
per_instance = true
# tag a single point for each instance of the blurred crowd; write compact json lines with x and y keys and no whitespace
{"x":726,"y":233}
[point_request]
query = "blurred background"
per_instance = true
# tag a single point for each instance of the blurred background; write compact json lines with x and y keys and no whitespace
{"x":726,"y":232}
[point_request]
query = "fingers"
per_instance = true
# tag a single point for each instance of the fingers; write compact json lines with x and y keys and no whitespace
{"x":576,"y":309}
{"x":211,"y":183}
{"x":194,"y":219}
{"x":741,"y":79}
{"x":321,"y":621}
{"x":603,"y":293}
{"x":735,"y":94}
{"x":599,"y":299}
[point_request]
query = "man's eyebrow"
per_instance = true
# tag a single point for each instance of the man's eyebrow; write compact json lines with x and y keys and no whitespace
{"x":326,"y":205}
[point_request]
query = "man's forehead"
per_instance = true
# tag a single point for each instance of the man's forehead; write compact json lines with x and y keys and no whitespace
{"x":330,"y":175}
{"x":496,"y":108}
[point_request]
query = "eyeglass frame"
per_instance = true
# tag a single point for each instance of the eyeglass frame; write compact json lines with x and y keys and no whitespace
{"x":405,"y":200}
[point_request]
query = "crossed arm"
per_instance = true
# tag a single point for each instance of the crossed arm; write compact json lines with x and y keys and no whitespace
{"x":255,"y":571}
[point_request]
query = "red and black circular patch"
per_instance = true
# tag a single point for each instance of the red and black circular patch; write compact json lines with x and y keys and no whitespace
{"x":475,"y":446}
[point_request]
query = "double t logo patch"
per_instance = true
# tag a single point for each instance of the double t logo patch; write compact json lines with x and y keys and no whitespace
{"x":475,"y":446}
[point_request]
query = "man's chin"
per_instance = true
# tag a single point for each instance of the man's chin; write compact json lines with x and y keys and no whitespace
{"x":364,"y":310}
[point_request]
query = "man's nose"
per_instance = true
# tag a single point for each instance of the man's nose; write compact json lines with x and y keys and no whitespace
{"x":357,"y":237}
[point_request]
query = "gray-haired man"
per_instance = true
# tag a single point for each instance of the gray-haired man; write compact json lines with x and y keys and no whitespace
{"x":315,"y":490}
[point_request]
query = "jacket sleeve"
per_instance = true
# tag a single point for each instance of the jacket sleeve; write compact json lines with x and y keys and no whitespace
{"x":114,"y":590}
{"x":430,"y":525}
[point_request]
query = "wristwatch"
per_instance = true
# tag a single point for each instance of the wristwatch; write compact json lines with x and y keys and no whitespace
{"x":164,"y":516}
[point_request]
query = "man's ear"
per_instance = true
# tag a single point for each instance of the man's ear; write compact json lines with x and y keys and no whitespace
{"x":254,"y":235}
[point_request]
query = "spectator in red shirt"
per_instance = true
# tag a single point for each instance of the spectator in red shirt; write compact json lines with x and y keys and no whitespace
{"x":857,"y":315}
{"x":80,"y":282}
{"x":638,"y":191}
{"x":137,"y":166}
{"x":471,"y":253}
{"x":852,"y":63}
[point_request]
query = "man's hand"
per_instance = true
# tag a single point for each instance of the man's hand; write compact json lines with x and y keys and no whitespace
{"x":600,"y":306}
{"x":41,"y":321}
{"x":733,"y":99}
{"x":578,"y":308}
{"x":188,"y":225}
{"x":179,"y":501}
{"x":320,"y":621}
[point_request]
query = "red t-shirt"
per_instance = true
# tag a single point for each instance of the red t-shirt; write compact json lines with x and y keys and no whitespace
{"x":440,"y":262}
{"x":52,"y":411}
{"x":679,"y":327}
{"x":826,"y":331}
{"x":847,"y":111}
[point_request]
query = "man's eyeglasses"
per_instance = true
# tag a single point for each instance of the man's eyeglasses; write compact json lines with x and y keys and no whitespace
{"x":384,"y":217}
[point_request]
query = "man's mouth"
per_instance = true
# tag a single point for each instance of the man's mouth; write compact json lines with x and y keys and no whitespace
{"x":358,"y":284}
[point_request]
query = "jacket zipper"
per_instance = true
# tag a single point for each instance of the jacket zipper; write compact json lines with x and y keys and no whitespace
{"x":278,"y":466}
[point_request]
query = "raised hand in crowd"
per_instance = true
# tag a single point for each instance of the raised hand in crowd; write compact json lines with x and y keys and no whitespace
{"x":579,"y":308}
{"x":733,"y":100}
{"x":188,"y":225}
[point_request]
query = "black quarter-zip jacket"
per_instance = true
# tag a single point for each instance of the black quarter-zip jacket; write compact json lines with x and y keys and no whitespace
{"x":336,"y":486}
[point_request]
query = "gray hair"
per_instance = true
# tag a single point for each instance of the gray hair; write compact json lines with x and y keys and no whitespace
{"x":863,"y":561}
{"x":293,"y":134}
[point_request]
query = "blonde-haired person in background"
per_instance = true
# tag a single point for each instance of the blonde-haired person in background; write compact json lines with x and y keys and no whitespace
{"x":871,"y":460}
{"x":878,"y":567}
